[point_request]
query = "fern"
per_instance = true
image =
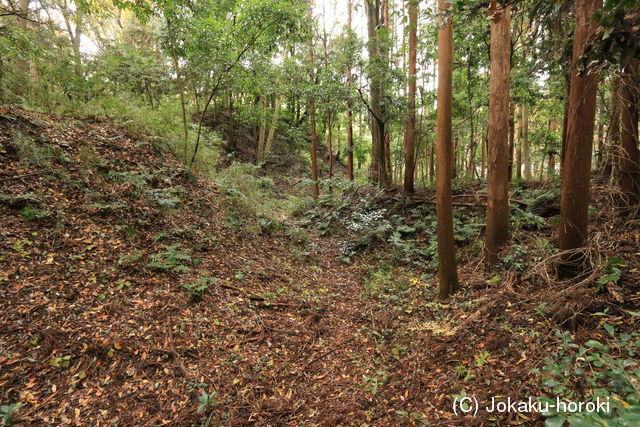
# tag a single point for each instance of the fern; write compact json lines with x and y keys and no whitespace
{"x":171,"y":259}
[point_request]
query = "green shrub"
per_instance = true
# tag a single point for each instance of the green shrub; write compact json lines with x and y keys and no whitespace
{"x":252,"y":201}
{"x":613,"y":273}
{"x":172,"y":259}
{"x":606,"y":369}
{"x":198,"y":288}
{"x":7,"y":412}
{"x":33,"y":212}
{"x":162,"y":124}
{"x":128,"y":260}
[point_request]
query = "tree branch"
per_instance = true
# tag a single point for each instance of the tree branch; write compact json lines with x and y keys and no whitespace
{"x":367,"y":105}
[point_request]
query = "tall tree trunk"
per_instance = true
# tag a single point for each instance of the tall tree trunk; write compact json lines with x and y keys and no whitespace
{"x":472,"y":140}
{"x":273,"y":126}
{"x":22,"y":65}
{"x":375,"y":26}
{"x":262,"y":132}
{"x":349,"y":113}
{"x":330,"y":143}
{"x":447,"y":272}
{"x":579,"y":139}
{"x":410,"y":131}
{"x":518,"y":161}
{"x":526,"y":149}
{"x":630,"y":155}
{"x":181,"y":88}
{"x":386,"y":54}
{"x":313,"y":133}
{"x":565,"y":124}
{"x":498,"y":167}
{"x":483,"y":155}
{"x":512,"y":142}
{"x":231,"y":125}
{"x":77,"y":38}
{"x":613,"y":131}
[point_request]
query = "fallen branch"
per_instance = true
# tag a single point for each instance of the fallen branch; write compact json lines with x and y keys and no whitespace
{"x":23,"y":176}
{"x":281,"y":305}
{"x":262,"y":300}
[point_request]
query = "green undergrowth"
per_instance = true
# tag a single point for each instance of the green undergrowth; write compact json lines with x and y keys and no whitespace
{"x":162,"y":124}
{"x":364,"y":219}
{"x":403,"y":231}
{"x":252,"y":200}
{"x":598,"y":370}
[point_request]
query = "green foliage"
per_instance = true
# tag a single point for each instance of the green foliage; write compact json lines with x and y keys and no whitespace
{"x":516,"y":259}
{"x":366,"y":224}
{"x":613,"y":273}
{"x":188,"y":233}
{"x":525,"y":219}
{"x":166,"y":198}
{"x":606,"y":369}
{"x":207,"y":402}
{"x":21,"y":200}
{"x":172,"y":259}
{"x":161,"y":123}
{"x":107,"y":207}
{"x":376,"y":381}
{"x":61,"y":362}
{"x":251,"y":199}
{"x":20,"y":246}
{"x":386,"y":285}
{"x":38,"y":152}
{"x":33,"y":212}
{"x":463,"y":373}
{"x":482,"y":358}
{"x":196,"y":289}
{"x":130,"y":259}
{"x":8,"y":411}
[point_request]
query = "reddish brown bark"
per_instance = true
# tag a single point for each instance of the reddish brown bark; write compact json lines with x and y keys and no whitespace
{"x":498,"y":167}
{"x":446,"y":247}
{"x":349,"y":113}
{"x":375,"y":25}
{"x":613,"y":130}
{"x":579,"y":140}
{"x":629,"y":155}
{"x":512,"y":139}
{"x":410,"y":131}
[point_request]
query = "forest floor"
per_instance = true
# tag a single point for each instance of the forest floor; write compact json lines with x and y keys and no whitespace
{"x":127,"y":298}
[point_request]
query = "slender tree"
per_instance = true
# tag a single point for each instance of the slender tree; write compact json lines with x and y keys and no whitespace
{"x":578,"y":146}
{"x":613,"y":129}
{"x":447,"y":273}
{"x":410,"y":131}
{"x":180,"y":83}
{"x":313,"y":133}
{"x":349,"y":114}
{"x":378,"y":64}
{"x":630,"y":155}
{"x":498,"y":168}
{"x":272,"y":128}
{"x":526,"y":148}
